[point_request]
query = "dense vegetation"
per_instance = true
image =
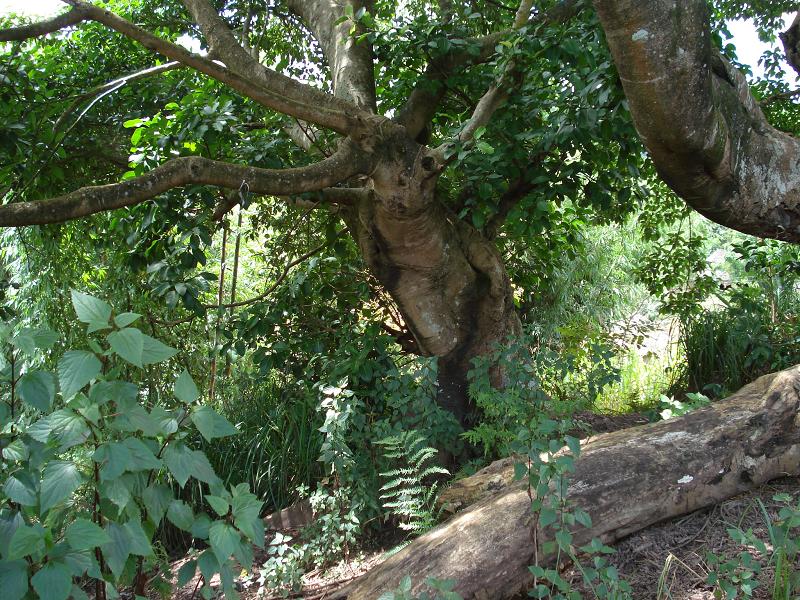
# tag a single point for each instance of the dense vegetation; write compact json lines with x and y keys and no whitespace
{"x":171,"y":372}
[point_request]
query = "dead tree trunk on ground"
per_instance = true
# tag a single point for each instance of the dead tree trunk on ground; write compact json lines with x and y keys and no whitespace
{"x":626,"y":480}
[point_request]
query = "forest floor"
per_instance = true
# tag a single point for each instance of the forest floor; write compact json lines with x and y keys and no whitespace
{"x":666,"y":561}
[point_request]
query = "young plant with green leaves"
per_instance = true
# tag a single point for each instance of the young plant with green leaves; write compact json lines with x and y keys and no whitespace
{"x":90,"y":467}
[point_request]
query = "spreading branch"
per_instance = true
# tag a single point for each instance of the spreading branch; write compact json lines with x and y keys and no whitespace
{"x":338,"y":196}
{"x":703,"y":129}
{"x":40,"y":28}
{"x":791,"y":43}
{"x":265,"y":86}
{"x":430,"y":89}
{"x":351,"y":61}
{"x":180,"y":172}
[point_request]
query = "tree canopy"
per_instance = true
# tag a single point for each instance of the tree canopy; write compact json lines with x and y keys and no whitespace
{"x":447,"y":155}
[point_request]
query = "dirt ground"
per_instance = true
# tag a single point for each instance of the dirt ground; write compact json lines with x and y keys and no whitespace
{"x":666,"y":561}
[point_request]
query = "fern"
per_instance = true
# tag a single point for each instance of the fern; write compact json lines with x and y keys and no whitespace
{"x":405,"y":493}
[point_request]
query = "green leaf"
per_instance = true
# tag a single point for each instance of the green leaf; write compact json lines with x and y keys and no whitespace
{"x":13,"y":579}
{"x":184,"y":463}
{"x":82,"y":534}
{"x":180,"y":514}
{"x":91,"y":310}
{"x":9,"y":523}
{"x":154,"y":351}
{"x":15,"y":451}
{"x":61,"y":478}
{"x":21,"y":489}
{"x":185,"y":388}
{"x":178,"y":459}
{"x":116,"y":490}
{"x":138,"y":540}
{"x":156,"y":500}
{"x":120,"y":391}
{"x":116,"y":551}
{"x":246,"y":511}
{"x":211,"y":424}
{"x":26,"y":541}
{"x":115,"y":458}
{"x":208,"y":563}
{"x":143,"y":457}
{"x":220,"y":505}
{"x":69,"y":427}
{"x":128,"y":344}
{"x":126,"y":318}
{"x":484,"y":147}
{"x":186,"y":572}
{"x":223,"y":539}
{"x":53,"y":581}
{"x":75,"y":369}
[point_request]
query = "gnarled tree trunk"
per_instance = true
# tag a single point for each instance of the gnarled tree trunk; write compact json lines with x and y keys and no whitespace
{"x":626,"y":480}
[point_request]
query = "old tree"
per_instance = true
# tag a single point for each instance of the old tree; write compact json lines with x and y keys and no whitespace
{"x":441,"y":139}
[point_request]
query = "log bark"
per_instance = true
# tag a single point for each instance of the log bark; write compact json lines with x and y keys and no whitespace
{"x":626,"y":480}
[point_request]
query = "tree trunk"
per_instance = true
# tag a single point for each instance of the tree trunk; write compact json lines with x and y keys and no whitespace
{"x":448,"y":281}
{"x":669,"y":468}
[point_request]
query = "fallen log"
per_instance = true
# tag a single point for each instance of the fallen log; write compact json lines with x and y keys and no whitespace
{"x":626,"y":480}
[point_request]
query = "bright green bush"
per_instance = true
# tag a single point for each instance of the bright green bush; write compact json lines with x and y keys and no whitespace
{"x":90,"y":464}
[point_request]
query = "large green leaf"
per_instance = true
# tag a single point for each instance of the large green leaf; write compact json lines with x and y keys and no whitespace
{"x":61,"y":478}
{"x":53,"y":581}
{"x":117,"y":551}
{"x":91,"y":310}
{"x":75,"y":369}
{"x":185,"y":388}
{"x":13,"y":579}
{"x":128,"y":344}
{"x":69,"y":427}
{"x":156,"y":499}
{"x":21,"y":489}
{"x":154,"y":351}
{"x":82,"y":534}
{"x":211,"y":424}
{"x":143,"y":457}
{"x":138,"y":540}
{"x":115,"y":458}
{"x":186,"y":572}
{"x":223,"y":539}
{"x":184,"y":463}
{"x":125,"y":319}
{"x":38,"y":389}
{"x":27,"y":540}
{"x":180,"y":514}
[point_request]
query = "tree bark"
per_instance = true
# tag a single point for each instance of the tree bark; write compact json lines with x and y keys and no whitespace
{"x":670,"y":468}
{"x":706,"y":134}
{"x":448,"y":281}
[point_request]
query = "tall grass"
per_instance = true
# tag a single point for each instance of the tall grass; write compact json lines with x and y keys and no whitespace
{"x":279,"y":441}
{"x":729,"y":346}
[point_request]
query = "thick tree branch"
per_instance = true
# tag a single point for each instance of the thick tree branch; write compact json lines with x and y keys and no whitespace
{"x":430,"y":90}
{"x":350,"y":60}
{"x":791,"y":43}
{"x":318,"y":198}
{"x":25,"y":32}
{"x":265,"y":86}
{"x":694,"y":112}
{"x":180,"y":172}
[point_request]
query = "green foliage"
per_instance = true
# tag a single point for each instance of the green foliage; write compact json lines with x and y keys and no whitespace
{"x":405,"y":493}
{"x":731,"y":576}
{"x":439,"y":589}
{"x":87,"y":464}
{"x":751,"y":330}
{"x":675,"y":408}
{"x":549,"y":458}
{"x":542,"y":375}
